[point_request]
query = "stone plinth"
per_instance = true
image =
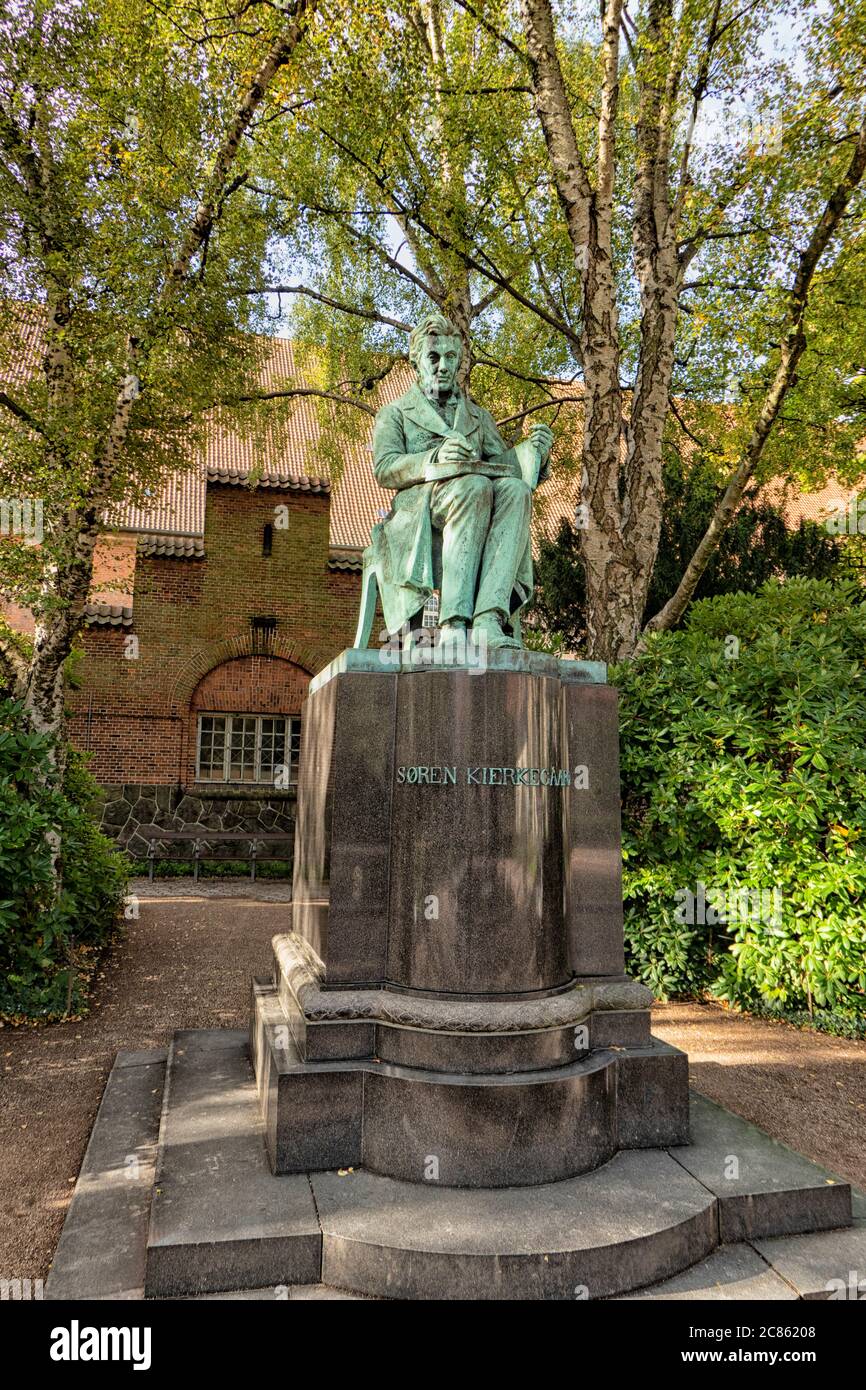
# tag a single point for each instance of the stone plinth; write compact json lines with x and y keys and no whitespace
{"x":452,"y":989}
{"x":201,"y":1215}
{"x":457,"y":830}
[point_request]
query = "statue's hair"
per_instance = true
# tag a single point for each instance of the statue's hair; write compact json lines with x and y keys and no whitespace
{"x":434,"y":325}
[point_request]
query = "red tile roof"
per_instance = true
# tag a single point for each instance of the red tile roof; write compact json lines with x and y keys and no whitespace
{"x":813,"y":506}
{"x":175,"y":510}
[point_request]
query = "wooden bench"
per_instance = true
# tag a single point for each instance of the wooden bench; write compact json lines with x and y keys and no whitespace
{"x":259,"y":846}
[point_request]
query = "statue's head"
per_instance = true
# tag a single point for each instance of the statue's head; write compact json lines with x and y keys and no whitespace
{"x":435,"y":350}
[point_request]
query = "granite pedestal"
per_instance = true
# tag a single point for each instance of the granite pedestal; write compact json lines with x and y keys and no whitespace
{"x":451,"y":998}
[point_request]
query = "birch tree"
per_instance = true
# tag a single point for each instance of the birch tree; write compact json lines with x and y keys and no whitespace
{"x":409,"y":187}
{"x":657,"y":205}
{"x":674,"y":52}
{"x":126,"y":132}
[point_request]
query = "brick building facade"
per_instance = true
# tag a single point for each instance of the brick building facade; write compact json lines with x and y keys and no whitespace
{"x":215,"y":600}
{"x":230,"y":632}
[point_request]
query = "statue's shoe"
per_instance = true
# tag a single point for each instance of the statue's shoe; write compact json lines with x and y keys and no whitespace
{"x":496,"y":637}
{"x":453,"y":641}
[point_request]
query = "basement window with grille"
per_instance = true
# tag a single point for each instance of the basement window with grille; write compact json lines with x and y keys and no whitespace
{"x":253,"y":748}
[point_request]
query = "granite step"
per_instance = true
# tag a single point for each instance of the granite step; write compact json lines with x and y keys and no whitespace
{"x":219,"y":1219}
{"x":101,"y":1253}
{"x":733,"y":1273}
{"x":635,"y":1221}
{"x":764,"y":1188}
{"x":645,"y":1224}
{"x":295,"y":1293}
{"x":824,"y":1265}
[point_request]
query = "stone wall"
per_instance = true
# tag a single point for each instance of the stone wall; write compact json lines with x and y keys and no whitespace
{"x":132,"y":813}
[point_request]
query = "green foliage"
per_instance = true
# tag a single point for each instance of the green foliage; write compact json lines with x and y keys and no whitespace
{"x":536,"y":639}
{"x":558,"y":609}
{"x":49,"y":940}
{"x":403,"y":164}
{"x":747,"y":769}
{"x":416,"y":170}
{"x":214,"y":868}
{"x":112,"y":114}
{"x":757,"y":546}
{"x":19,"y":643}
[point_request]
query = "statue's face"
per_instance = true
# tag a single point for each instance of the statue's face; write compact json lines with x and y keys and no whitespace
{"x":437,"y":365}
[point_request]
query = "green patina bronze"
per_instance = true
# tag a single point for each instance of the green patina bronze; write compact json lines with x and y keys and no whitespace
{"x":460,"y":516}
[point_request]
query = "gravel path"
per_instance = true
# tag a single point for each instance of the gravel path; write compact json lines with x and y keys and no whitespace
{"x":262,"y":891}
{"x":186,"y":963}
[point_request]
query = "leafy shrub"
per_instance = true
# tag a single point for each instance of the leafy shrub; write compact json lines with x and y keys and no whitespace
{"x":746,"y":769}
{"x":49,"y":941}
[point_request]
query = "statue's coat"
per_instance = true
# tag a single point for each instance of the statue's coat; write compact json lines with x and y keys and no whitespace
{"x":406,"y":439}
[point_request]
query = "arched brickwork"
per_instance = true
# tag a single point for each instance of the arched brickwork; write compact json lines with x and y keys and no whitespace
{"x":252,"y":685}
{"x":244,"y":685}
{"x":311,"y":658}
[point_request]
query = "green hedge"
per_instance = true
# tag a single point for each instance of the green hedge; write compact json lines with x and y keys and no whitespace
{"x":746,"y":770}
{"x":279,"y":869}
{"x":48,"y":945}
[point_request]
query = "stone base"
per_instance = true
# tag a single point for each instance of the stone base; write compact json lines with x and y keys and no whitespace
{"x":489,"y":1093}
{"x":213,"y":1219}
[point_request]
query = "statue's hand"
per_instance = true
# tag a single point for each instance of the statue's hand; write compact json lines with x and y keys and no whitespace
{"x":455,"y":450}
{"x":542,"y":437}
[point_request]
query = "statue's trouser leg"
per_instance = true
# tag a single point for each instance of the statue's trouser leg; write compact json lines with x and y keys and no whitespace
{"x":460,"y":509}
{"x":506,"y":541}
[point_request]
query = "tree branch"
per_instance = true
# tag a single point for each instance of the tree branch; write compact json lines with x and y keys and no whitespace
{"x":293,"y":391}
{"x":709,"y":230}
{"x":609,"y":104}
{"x":412,"y":215}
{"x":701,"y":443}
{"x":557,"y":308}
{"x":370,"y":244}
{"x":486,"y":300}
{"x":556,"y":403}
{"x":344,"y":308}
{"x":546,"y":382}
{"x":791,"y":350}
{"x":77,"y":533}
{"x":205,"y":213}
{"x":551,"y":103}
{"x":698,"y":94}
{"x":492,"y":30}
{"x":22,"y":413}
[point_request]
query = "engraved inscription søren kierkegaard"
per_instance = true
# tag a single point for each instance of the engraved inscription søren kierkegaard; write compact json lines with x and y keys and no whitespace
{"x":493,"y":776}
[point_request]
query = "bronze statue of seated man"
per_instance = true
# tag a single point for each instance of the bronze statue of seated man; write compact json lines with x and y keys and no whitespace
{"x":453,"y":474}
